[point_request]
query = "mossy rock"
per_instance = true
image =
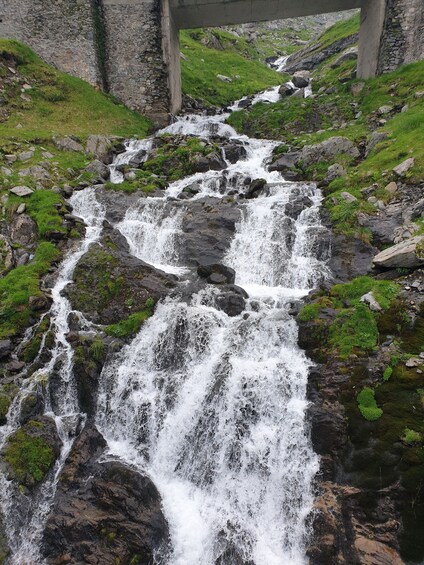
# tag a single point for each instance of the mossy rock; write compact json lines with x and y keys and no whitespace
{"x":30,"y":452}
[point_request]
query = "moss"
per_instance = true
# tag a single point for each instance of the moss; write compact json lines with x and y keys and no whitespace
{"x":5,"y":403}
{"x":354,"y":330}
{"x":368,"y":406}
{"x":19,"y":285}
{"x":131,"y":326}
{"x":387,"y":373}
{"x":411,"y":437}
{"x":97,"y":349}
{"x":311,"y":311}
{"x":29,"y":457}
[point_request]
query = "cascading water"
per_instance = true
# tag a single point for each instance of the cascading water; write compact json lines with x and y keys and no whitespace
{"x":24,"y":516}
{"x":212,"y":407}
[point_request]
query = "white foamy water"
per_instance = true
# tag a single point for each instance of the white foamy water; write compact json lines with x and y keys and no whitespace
{"x":212,"y":407}
{"x":24,"y":517}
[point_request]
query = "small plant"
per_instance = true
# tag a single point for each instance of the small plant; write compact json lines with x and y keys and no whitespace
{"x":411,"y":437}
{"x":97,"y":349}
{"x":367,"y":405}
{"x":387,"y":373}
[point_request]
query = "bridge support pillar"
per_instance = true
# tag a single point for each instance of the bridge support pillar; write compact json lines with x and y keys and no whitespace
{"x":370,"y":35}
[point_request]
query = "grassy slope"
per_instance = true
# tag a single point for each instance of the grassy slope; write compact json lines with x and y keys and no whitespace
{"x":300,"y":122}
{"x":202,"y":64}
{"x":60,"y":103}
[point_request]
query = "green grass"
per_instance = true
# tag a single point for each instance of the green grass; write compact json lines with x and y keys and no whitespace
{"x":368,"y":406}
{"x":131,"y":326}
{"x":202,"y":65}
{"x":29,"y":457}
{"x":62,"y":104}
{"x":19,"y":285}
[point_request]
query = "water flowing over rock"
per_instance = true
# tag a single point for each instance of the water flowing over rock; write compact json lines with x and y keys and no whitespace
{"x":200,"y":451}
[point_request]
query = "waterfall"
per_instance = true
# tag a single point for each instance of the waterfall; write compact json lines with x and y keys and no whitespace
{"x":25,"y":517}
{"x":213,"y":407}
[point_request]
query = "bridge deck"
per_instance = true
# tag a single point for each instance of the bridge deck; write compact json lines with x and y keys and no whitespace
{"x":203,"y":13}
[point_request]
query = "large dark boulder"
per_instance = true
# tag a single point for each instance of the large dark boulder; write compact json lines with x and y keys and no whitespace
{"x":103,"y":513}
{"x":110,"y":284}
{"x":217,"y":273}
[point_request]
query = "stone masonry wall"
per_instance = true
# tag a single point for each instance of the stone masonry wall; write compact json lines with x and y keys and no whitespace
{"x":60,"y":31}
{"x":403,"y":34}
{"x":135,"y":66}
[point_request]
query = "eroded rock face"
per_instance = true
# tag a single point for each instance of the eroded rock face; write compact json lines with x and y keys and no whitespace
{"x":103,"y":513}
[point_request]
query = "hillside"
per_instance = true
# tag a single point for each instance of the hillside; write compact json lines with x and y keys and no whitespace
{"x":231,"y":339}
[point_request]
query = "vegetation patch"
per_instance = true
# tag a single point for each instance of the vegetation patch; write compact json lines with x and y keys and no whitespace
{"x":19,"y":285}
{"x":131,"y":326}
{"x":368,"y":406}
{"x":202,"y":64}
{"x":29,"y":456}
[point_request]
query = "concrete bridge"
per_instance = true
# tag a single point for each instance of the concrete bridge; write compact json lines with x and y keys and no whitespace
{"x":131,"y":47}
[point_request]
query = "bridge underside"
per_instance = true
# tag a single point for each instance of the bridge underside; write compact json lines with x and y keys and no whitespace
{"x":209,"y":13}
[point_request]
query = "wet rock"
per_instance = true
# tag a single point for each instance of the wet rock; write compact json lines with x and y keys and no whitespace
{"x":296,"y":206}
{"x":301,"y":79}
{"x":232,"y":302}
{"x":31,"y":405}
{"x":404,"y":167}
{"x":110,"y":284}
{"x":21,"y":190}
{"x":216,"y":273}
{"x":5,"y":348}
{"x":40,"y":303}
{"x":208,"y":227}
{"x":211,"y":162}
{"x":407,"y":254}
{"x":138,"y":159}
{"x":350,"y":257}
{"x":103,"y":512}
{"x":287,"y":89}
{"x":373,"y":552}
{"x":257,"y":187}
{"x":234,"y":151}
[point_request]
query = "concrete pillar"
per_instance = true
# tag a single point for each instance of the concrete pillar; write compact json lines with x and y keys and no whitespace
{"x":135,"y":67}
{"x":171,"y":54}
{"x":370,"y":36}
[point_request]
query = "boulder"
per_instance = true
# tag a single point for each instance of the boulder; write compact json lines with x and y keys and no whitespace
{"x":216,"y":273}
{"x":257,"y":186}
{"x":376,"y":137}
{"x":36,"y":172}
{"x":301,"y":79}
{"x":404,"y":167}
{"x":373,"y":552}
{"x":350,"y":54}
{"x":348,"y":197}
{"x":5,"y":348}
{"x":371,"y":301}
{"x":234,"y":151}
{"x":6,"y":255}
{"x":40,"y":436}
{"x":328,"y":150}
{"x":31,"y":405}
{"x":99,"y":170}
{"x":284,"y":162}
{"x":335,"y":171}
{"x":21,"y":190}
{"x":100,"y":147}
{"x":67,"y":144}
{"x":23,"y":230}
{"x":26,"y":155}
{"x":103,"y":512}
{"x":287,"y":89}
{"x":407,"y":254}
{"x":232,"y":300}
{"x":224,"y":78}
